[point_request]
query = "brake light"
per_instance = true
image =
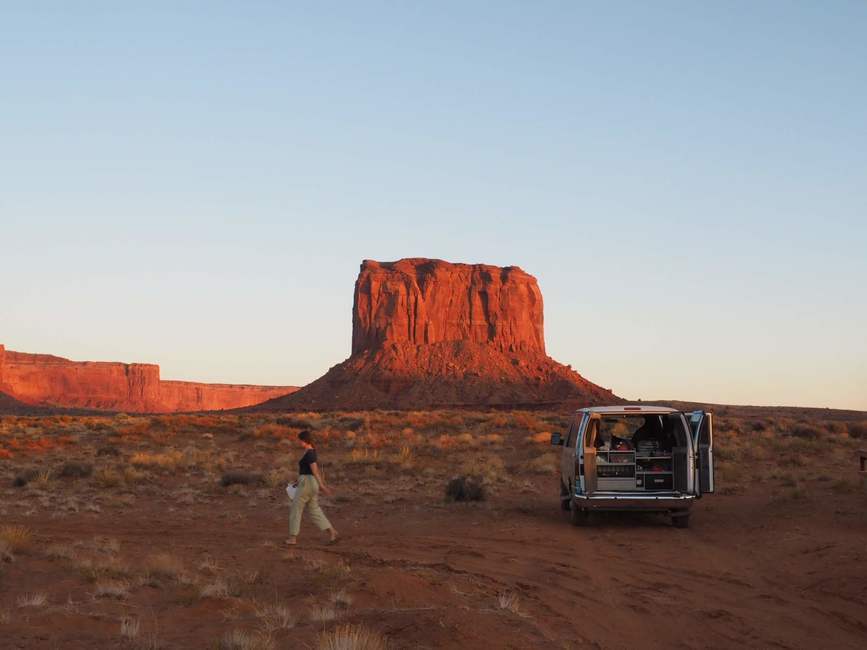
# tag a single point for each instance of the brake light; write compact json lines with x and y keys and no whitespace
{"x":631,"y":408}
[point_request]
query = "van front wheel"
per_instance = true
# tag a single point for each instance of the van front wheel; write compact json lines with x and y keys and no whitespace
{"x":680,"y":521}
{"x":564,"y":497}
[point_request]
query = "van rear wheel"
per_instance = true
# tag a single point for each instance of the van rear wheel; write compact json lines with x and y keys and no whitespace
{"x":580,"y":517}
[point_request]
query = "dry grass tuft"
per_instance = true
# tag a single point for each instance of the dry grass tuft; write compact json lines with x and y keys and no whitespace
{"x":16,"y":537}
{"x":98,"y":569}
{"x":341,"y":599}
{"x":275,"y":617}
{"x":111,"y":589}
{"x":322,"y":613}
{"x":242,"y":640}
{"x":32,"y":600}
{"x":60,"y":552}
{"x":216,"y":589}
{"x":510,"y":601}
{"x":129,"y":627}
{"x":351,"y":637}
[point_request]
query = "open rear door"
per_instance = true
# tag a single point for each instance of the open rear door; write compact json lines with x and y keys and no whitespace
{"x":701,"y":428}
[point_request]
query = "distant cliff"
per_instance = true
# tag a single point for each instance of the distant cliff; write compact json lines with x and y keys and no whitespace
{"x":429,"y":333}
{"x":46,"y":380}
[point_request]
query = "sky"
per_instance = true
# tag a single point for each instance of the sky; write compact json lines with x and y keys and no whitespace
{"x":196,"y":183}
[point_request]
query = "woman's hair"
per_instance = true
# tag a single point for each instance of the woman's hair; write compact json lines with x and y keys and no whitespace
{"x":306,"y":436}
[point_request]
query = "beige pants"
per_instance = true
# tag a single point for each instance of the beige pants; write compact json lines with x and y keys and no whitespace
{"x":308,"y":493}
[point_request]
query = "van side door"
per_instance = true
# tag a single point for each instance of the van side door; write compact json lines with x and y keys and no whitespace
{"x":567,"y":460}
{"x":701,"y":429}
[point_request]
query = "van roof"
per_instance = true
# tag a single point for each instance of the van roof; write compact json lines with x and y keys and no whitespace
{"x":626,"y":409}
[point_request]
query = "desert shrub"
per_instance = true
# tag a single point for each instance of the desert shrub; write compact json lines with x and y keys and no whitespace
{"x":858,"y":429}
{"x":164,"y":565}
{"x":132,"y":475}
{"x":805,"y":431}
{"x":543,"y":464}
{"x":352,"y":423}
{"x":163,"y":460}
{"x":75,"y":470}
{"x":106,"y":477}
{"x":273,"y":430}
{"x":465,"y":488}
{"x":108,"y":450}
{"x":16,"y":537}
{"x":543,"y":437}
{"x":241,"y":478}
{"x":24,"y":477}
{"x":294,"y":422}
{"x":488,"y":467}
{"x":351,"y":637}
{"x":527,"y":422}
{"x":758,"y":425}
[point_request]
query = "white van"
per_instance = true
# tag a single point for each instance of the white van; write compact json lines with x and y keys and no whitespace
{"x":650,"y":458}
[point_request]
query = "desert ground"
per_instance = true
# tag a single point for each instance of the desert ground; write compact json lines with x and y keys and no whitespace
{"x":168,"y":532}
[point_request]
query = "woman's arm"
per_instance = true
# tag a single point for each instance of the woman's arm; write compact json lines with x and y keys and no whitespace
{"x":314,"y":467}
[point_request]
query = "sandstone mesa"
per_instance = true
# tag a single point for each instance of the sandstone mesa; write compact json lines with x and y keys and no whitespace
{"x":429,"y":333}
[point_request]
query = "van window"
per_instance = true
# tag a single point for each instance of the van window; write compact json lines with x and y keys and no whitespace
{"x":570,"y":436}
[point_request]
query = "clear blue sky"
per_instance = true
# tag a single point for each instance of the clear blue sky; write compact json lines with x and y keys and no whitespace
{"x":195,"y":184}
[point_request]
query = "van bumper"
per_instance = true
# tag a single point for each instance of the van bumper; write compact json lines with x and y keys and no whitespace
{"x":632,"y":501}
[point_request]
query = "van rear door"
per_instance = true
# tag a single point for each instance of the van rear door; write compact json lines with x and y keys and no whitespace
{"x":701,"y":428}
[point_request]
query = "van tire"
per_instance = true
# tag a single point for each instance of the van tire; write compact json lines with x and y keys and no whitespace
{"x":680,"y":521}
{"x":565,"y":501}
{"x":580,"y":517}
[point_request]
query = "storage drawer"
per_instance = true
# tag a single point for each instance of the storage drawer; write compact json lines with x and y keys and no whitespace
{"x":656,"y":481}
{"x":605,"y":484}
{"x":615,"y":471}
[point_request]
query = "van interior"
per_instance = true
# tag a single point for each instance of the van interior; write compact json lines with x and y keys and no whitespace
{"x":636,"y":453}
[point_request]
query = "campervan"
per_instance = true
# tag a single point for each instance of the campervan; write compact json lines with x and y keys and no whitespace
{"x":650,"y":458}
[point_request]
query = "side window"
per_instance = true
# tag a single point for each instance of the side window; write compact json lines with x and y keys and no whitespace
{"x":592,"y":433}
{"x":574,"y":428}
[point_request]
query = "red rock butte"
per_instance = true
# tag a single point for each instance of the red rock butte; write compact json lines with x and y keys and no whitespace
{"x":432,"y":333}
{"x":41,"y":381}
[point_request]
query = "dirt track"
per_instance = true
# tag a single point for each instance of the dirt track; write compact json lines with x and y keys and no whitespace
{"x":751,"y":571}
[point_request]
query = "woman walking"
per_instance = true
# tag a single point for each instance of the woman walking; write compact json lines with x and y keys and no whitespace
{"x":309,"y":481}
